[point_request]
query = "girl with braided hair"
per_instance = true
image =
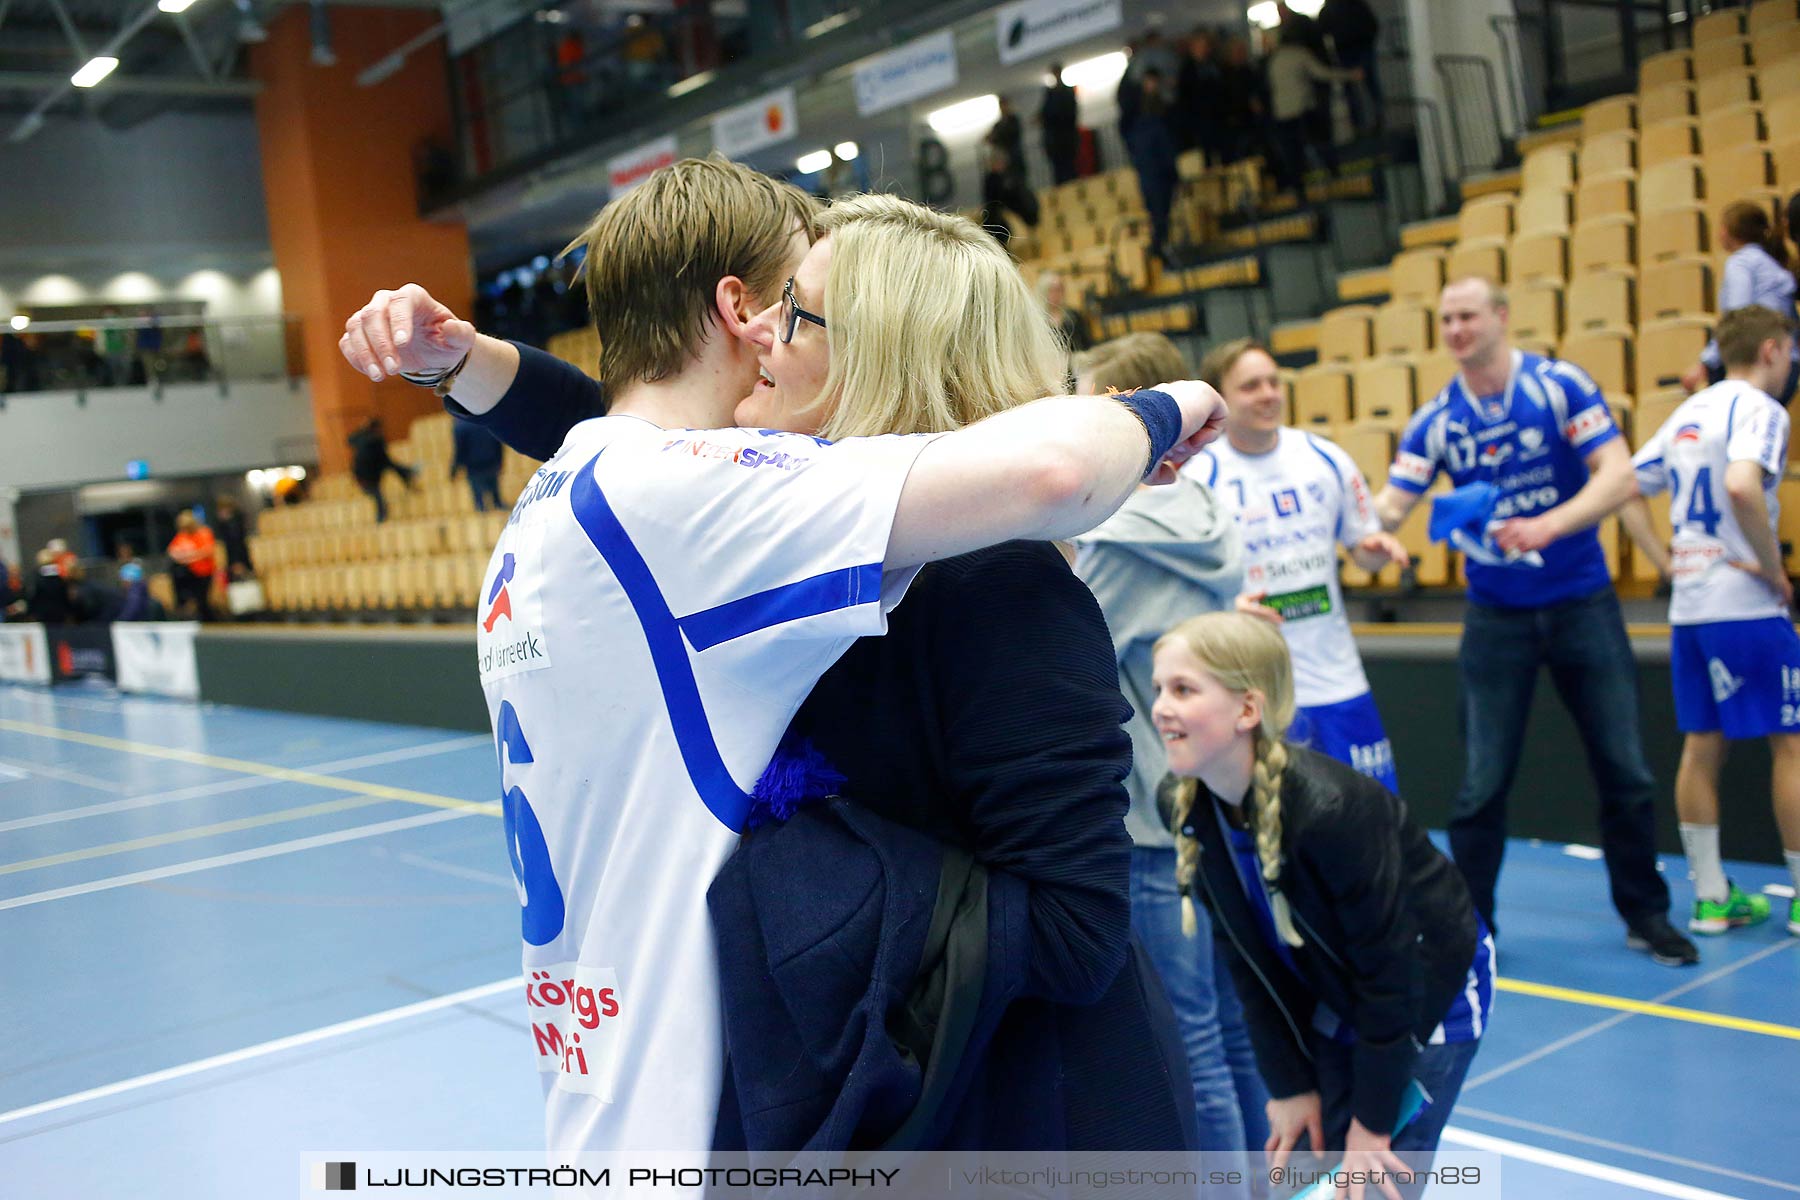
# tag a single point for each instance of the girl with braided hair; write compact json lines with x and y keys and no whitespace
{"x":1359,"y":958}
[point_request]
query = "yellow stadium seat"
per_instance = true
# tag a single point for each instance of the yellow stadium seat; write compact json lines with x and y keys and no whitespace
{"x":1322,"y":395}
{"x":1543,"y":346}
{"x":1403,"y":327}
{"x":1602,"y":299}
{"x":1718,"y":26}
{"x":1486,"y":258}
{"x":1431,"y":372}
{"x":1603,"y":242}
{"x":1487,"y":217}
{"x":1672,"y":233}
{"x":1605,"y":196}
{"x":1547,"y":210}
{"x":1605,"y":354}
{"x":1769,"y":16}
{"x":1676,"y":287}
{"x":1670,"y":102}
{"x":1671,"y":66}
{"x":1786,"y":159}
{"x":1370,"y":446}
{"x":1741,"y":172}
{"x":1654,"y":408}
{"x":1609,"y":152}
{"x":1672,"y":184}
{"x":1417,"y":274}
{"x":1535,"y":311}
{"x":1668,"y":347}
{"x":1783,"y":118}
{"x":1548,"y":168}
{"x":1609,"y":116}
{"x":1344,"y":333}
{"x":1675,"y":138}
{"x":1384,"y":392}
{"x":1715,"y":58}
{"x":1724,"y":90}
{"x":1729,"y":128}
{"x":1537,"y":256}
{"x":1778,"y":79}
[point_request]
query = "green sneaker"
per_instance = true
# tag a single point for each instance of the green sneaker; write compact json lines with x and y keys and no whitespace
{"x":1794,"y":916}
{"x":1736,"y":910}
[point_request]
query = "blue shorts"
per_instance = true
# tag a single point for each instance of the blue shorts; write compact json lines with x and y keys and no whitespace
{"x":1738,"y":677}
{"x":1349,"y":731}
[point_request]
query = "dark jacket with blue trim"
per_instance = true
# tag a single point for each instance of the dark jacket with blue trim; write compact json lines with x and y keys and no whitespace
{"x":987,"y":719}
{"x":1388,"y":925}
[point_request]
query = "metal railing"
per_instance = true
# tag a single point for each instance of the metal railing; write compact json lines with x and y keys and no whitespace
{"x":1524,"y":53}
{"x":81,"y":355}
{"x":1475,"y":112}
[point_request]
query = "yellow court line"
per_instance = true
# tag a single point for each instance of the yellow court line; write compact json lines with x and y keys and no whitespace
{"x":186,"y":835}
{"x":1691,"y":1015}
{"x":246,"y":767}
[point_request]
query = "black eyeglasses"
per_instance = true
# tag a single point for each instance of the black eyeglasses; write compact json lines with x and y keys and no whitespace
{"x":792,"y":314}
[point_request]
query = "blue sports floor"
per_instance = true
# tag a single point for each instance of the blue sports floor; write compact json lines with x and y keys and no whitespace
{"x":228,"y":937}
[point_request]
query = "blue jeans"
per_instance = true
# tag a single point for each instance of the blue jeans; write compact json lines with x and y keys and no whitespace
{"x":484,"y":486}
{"x":1439,"y":1069}
{"x":1583,"y":643}
{"x":1229,"y":1096}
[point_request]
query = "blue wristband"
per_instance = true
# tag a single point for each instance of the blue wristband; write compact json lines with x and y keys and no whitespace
{"x":1161,"y":417}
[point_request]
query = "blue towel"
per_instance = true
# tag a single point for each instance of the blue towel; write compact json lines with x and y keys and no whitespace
{"x":1469,"y":508}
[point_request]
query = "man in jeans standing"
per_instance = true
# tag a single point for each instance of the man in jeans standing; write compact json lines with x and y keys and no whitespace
{"x":1534,"y":437}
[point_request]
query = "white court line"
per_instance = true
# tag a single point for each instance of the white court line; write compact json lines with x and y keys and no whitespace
{"x":242,"y":784}
{"x":241,"y":856}
{"x":266,"y":1048}
{"x":1573,"y":1165}
{"x":459,"y":872}
{"x":7,"y":772}
{"x":66,"y":775}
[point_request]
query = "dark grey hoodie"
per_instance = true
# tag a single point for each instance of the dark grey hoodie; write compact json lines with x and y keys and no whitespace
{"x":1170,"y":553}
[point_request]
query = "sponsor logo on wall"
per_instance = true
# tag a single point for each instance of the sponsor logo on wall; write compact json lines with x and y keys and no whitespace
{"x":1028,"y":28}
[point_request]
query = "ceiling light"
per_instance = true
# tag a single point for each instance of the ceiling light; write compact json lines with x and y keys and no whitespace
{"x":21,"y":323}
{"x":1094,"y":73}
{"x":97,"y":68}
{"x":818,"y":160}
{"x":966,"y":115}
{"x":847,"y":151}
{"x":174,"y":6}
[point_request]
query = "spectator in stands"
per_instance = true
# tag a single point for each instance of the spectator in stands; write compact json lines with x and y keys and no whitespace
{"x":1053,"y":289}
{"x":1243,"y":90}
{"x":1171,"y":553}
{"x":478,"y":452}
{"x":1758,"y":271}
{"x":1004,"y":187}
{"x":1354,"y":31}
{"x":18,"y":365}
{"x":55,"y":597}
{"x":118,"y":348}
{"x":193,"y":555}
{"x":1060,"y":120}
{"x":234,"y":539}
{"x":1721,"y":456}
{"x":150,"y":351}
{"x":134,"y":602}
{"x":1539,"y":594}
{"x":1151,"y":141}
{"x":1293,"y":70}
{"x":369,"y":462}
{"x":1200,"y":99}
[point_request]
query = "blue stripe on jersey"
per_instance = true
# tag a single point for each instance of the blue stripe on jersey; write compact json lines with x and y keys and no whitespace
{"x":834,"y":590}
{"x":681,"y":694}
{"x":1731,"y":417}
{"x":1212,"y":478}
{"x":1468,"y":1016}
{"x":1320,"y":451}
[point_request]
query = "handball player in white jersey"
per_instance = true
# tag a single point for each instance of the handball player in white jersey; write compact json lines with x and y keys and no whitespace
{"x":1734,"y":656}
{"x":667,"y":592}
{"x":1298,"y":497}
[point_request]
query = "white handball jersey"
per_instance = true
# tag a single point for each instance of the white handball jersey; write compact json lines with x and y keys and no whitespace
{"x":1726,"y":423}
{"x":657,"y":608}
{"x":1295,"y":505}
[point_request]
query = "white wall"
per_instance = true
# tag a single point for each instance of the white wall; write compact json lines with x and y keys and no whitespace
{"x":47,"y":439}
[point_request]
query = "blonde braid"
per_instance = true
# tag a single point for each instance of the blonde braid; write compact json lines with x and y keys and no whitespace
{"x":1265,"y":779}
{"x":1187,"y":854}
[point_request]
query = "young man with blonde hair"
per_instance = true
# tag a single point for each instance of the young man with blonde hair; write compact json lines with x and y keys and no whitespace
{"x":1538,"y":432}
{"x":1734,"y":657}
{"x":667,"y":592}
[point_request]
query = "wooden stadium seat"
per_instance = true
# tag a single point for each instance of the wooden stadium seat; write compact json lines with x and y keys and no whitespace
{"x":1547,"y":210}
{"x":1417,"y":274}
{"x":1536,"y":256}
{"x":1671,"y":102}
{"x":1671,"y":184}
{"x":1671,"y":66}
{"x":1535,"y":311}
{"x":1403,"y":327}
{"x":1786,"y":160}
{"x":1344,"y":333}
{"x":1767,"y":16}
{"x":1548,"y":168}
{"x":1384,"y":393}
{"x":1431,"y":373}
{"x":1603,"y":299}
{"x":1778,"y":78}
{"x":1605,"y":354}
{"x":1540,"y":346}
{"x":1322,"y":395}
{"x":1727,"y":54}
{"x":1610,"y":115}
{"x":1654,"y":408}
{"x":1370,"y":446}
{"x":1783,"y":118}
{"x":1729,"y":128}
{"x":1603,"y":242}
{"x":1487,"y":217}
{"x":1668,"y":347}
{"x":1673,"y":233}
{"x":1485,"y":258}
{"x":1678,"y":137}
{"x":1724,"y":90}
{"x":1606,"y":153}
{"x":1605,"y":196}
{"x":1718,"y":26}
{"x":1742,"y":173}
{"x":1676,"y":287}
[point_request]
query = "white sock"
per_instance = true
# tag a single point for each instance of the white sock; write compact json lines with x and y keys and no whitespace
{"x":1793,"y":862}
{"x":1702,"y":845}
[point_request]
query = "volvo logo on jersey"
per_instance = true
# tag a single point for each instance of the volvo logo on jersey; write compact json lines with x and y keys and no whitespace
{"x":509,"y":631}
